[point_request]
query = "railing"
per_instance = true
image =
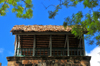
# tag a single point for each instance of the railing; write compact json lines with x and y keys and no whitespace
{"x":46,"y":52}
{"x":42,"y":51}
{"x":24,"y":51}
{"x":59,"y":51}
{"x":76,"y":51}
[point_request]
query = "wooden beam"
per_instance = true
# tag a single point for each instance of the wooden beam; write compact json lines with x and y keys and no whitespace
{"x":41,"y":33}
{"x":34,"y":45}
{"x":83,"y":44}
{"x":16,"y":45}
{"x":50,"y":45}
{"x":67,"y":45}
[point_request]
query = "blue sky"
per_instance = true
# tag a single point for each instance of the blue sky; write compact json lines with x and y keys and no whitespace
{"x":40,"y":17}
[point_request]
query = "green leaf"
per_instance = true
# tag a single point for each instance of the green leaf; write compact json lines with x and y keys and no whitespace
{"x":2,"y":13}
{"x":14,"y":3}
{"x":65,"y":24}
{"x":17,"y":0}
{"x":29,"y":6}
{"x":18,"y":15}
{"x":13,"y":10}
{"x":1,"y":1}
{"x":29,"y":13}
{"x":56,"y":10}
{"x":28,"y":1}
{"x":96,"y":15}
{"x":10,"y":1}
{"x":20,"y":9}
{"x":76,"y":2}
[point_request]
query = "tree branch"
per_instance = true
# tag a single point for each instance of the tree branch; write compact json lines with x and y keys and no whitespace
{"x":48,"y":6}
{"x":26,"y":3}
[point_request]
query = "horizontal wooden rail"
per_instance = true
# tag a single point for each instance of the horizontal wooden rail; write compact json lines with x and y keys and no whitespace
{"x":46,"y":52}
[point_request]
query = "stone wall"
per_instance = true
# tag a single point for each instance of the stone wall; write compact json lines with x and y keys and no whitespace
{"x":49,"y":61}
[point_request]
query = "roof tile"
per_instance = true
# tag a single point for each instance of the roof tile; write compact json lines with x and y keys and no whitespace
{"x":40,"y":28}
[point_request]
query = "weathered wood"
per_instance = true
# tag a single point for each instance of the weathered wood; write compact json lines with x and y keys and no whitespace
{"x":42,"y":41}
{"x":15,"y":46}
{"x":18,"y":44}
{"x":67,"y":45}
{"x":50,"y":45}
{"x":26,"y":40}
{"x":83,"y":45}
{"x":34,"y":45}
{"x":41,"y":33}
{"x":65,"y":42}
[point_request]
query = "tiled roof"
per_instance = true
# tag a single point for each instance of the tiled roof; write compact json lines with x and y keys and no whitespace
{"x":40,"y":28}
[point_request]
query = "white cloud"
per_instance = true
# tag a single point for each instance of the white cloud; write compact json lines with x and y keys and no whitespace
{"x":95,"y":56}
{"x":1,"y":50}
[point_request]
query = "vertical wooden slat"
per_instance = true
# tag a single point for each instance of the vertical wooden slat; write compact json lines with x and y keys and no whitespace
{"x":80,"y":46}
{"x":44,"y":51}
{"x":50,"y":45}
{"x":71,"y":52}
{"x":40,"y":52}
{"x":77,"y":52}
{"x":30,"y":52}
{"x":34,"y":43}
{"x":16,"y":46}
{"x":65,"y":42}
{"x":27,"y":51}
{"x":80,"y":43}
{"x":67,"y":45}
{"x":23,"y":51}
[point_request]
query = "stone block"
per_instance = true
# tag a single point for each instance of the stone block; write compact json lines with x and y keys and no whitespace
{"x":76,"y":61}
{"x":62,"y":61}
{"x":56,"y":64}
{"x":84,"y":63}
{"x":39,"y":61}
{"x":65,"y":61}
{"x":56,"y":61}
{"x":34,"y":61}
{"x":25,"y":61}
{"x":12,"y":63}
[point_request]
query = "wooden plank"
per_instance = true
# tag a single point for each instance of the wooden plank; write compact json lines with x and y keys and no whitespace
{"x":50,"y":45}
{"x":34,"y":45}
{"x":41,"y":33}
{"x":65,"y":42}
{"x":67,"y":45}
{"x":16,"y":46}
{"x":83,"y":44}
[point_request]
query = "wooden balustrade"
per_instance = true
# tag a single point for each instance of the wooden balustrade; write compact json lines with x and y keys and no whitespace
{"x":46,"y":52}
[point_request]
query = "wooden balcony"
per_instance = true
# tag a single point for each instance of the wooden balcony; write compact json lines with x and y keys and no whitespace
{"x":46,"y":52}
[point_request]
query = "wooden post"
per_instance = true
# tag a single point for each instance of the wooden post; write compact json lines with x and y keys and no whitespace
{"x":15,"y":45}
{"x":18,"y":44}
{"x":34,"y":43}
{"x":0,"y":64}
{"x":80,"y":43}
{"x":50,"y":45}
{"x":67,"y":45}
{"x":80,"y":46}
{"x":83,"y":44}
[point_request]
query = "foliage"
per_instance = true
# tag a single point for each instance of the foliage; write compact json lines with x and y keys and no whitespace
{"x":22,"y":11}
{"x":90,"y":24}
